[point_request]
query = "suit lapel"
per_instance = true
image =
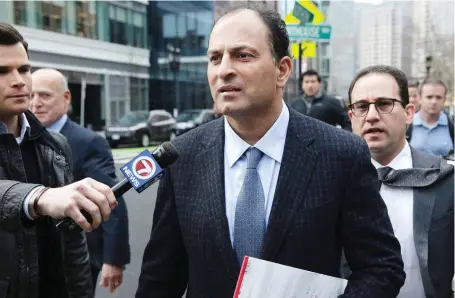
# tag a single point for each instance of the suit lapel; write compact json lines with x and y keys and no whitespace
{"x":212,"y":190}
{"x":424,"y":200}
{"x":294,"y":178}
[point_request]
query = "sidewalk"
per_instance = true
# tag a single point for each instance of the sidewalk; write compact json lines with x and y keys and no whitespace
{"x":123,"y":155}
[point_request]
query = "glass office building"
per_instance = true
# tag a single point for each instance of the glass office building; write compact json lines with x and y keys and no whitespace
{"x":100,"y":46}
{"x":185,"y":25}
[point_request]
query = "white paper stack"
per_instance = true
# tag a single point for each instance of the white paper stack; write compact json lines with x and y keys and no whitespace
{"x":263,"y":279}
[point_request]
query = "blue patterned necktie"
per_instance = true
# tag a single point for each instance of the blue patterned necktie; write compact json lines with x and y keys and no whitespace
{"x":250,"y":226}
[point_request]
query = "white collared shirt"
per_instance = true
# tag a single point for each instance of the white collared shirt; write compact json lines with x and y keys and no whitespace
{"x":23,"y":122}
{"x":272,"y":145}
{"x":400,"y":206}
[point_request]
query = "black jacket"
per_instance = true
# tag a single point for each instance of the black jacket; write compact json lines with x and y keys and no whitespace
{"x":18,"y":235}
{"x":92,"y":157}
{"x":324,"y":108}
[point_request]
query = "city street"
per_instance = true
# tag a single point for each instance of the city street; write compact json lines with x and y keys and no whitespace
{"x":140,"y":211}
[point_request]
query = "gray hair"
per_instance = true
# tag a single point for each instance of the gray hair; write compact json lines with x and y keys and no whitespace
{"x":64,"y":84}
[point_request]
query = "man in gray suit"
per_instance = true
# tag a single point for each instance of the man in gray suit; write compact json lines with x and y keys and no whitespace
{"x":265,"y":181}
{"x":417,"y":188}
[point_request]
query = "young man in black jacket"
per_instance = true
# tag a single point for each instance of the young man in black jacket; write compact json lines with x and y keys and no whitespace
{"x":316,"y":104}
{"x":35,"y":165}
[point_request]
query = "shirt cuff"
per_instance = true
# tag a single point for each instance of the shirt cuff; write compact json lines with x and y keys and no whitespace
{"x":27,"y":199}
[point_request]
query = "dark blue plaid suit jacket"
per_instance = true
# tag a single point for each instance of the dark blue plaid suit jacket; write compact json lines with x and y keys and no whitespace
{"x":327,"y":198}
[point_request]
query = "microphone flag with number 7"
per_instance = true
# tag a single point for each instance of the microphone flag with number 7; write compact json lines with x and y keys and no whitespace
{"x":142,"y":171}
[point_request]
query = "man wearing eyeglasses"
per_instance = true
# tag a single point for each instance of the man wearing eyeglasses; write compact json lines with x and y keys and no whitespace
{"x":417,"y":188}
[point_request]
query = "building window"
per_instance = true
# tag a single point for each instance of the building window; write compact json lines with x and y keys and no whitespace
{"x":139,"y":94}
{"x":324,"y":49}
{"x":138,"y":30}
{"x":86,"y":19}
{"x":326,"y":66}
{"x":52,"y":14}
{"x":117,"y":24}
{"x":20,"y":15}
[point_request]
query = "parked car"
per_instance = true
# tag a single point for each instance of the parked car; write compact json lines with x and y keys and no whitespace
{"x":160,"y":124}
{"x":189,"y":119}
{"x":130,"y":129}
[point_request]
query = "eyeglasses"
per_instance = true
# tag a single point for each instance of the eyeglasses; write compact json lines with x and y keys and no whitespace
{"x":382,"y":105}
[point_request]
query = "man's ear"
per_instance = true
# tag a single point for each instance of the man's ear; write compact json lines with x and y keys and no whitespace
{"x":410,"y":111}
{"x":284,"y":70}
{"x":67,"y":96}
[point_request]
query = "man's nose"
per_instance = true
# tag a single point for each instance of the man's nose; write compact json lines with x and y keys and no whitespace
{"x":225,"y":69}
{"x":18,"y":81}
{"x":36,"y":102}
{"x":372,"y":114}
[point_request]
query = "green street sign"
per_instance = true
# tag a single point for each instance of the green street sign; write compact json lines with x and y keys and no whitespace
{"x":302,"y":13}
{"x":309,"y":32}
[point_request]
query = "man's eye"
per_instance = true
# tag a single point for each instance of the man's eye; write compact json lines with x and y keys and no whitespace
{"x":383,"y":103}
{"x":213,"y":58}
{"x":361,"y":105}
{"x":243,"y":55}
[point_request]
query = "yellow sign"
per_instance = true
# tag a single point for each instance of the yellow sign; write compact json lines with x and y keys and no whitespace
{"x":308,"y":47}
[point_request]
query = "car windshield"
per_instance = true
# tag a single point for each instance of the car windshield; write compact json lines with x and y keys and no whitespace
{"x":188,"y":115}
{"x":132,"y":118}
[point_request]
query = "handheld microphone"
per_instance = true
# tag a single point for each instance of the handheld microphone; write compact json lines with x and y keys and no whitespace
{"x":140,"y":172}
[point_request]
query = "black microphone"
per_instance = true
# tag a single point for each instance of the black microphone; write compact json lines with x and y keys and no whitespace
{"x":140,"y":172}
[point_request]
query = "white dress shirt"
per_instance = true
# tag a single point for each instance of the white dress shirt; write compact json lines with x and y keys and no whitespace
{"x":23,"y":122}
{"x":400,"y":205}
{"x":272,"y":145}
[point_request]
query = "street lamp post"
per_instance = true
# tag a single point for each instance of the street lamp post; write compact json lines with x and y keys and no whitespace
{"x":428,"y":60}
{"x":174,"y":65}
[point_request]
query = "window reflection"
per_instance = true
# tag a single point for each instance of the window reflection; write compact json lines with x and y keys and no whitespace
{"x":188,"y":30}
{"x":117,"y":24}
{"x":52,"y":14}
{"x":121,"y":22}
{"x":20,"y":12}
{"x":187,"y":25}
{"x":85,"y":19}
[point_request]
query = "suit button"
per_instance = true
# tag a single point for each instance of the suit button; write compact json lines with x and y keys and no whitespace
{"x":58,"y":157}
{"x":19,"y":245}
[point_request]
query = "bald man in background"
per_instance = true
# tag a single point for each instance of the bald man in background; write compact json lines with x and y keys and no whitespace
{"x":108,"y":244}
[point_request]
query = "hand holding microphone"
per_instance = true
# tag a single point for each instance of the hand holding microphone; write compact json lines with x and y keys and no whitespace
{"x":94,"y":203}
{"x":93,"y":197}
